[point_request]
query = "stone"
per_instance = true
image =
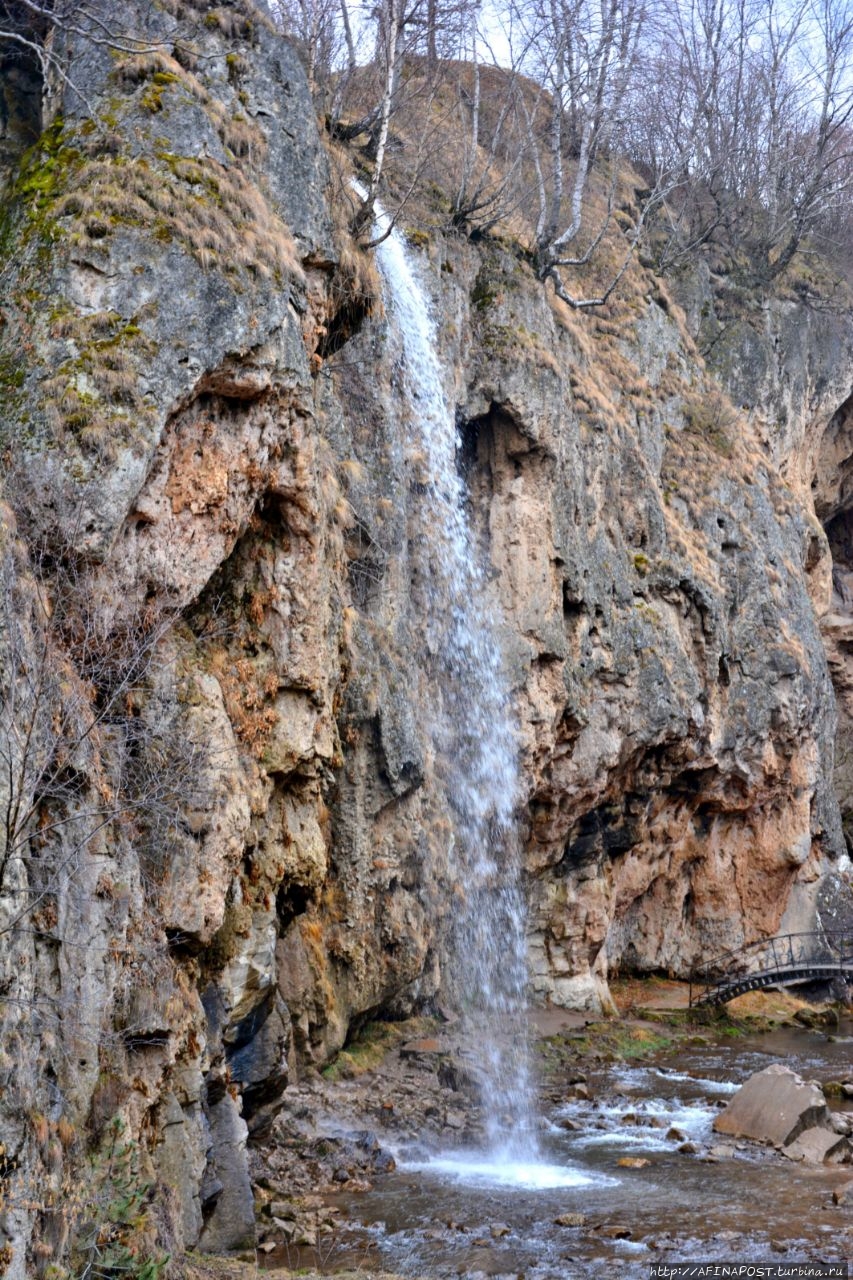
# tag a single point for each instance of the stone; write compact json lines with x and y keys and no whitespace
{"x":688,"y":1148}
{"x":231,"y":1223}
{"x":570,"y":1220}
{"x":774,"y":1106}
{"x":428,"y":1047}
{"x":842,"y":1195}
{"x":674,"y":1134}
{"x":498,"y":1230}
{"x":280,"y":1209}
{"x":633,"y":1162}
{"x":818,"y":1146}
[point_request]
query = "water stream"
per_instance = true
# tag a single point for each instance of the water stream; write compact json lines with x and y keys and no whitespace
{"x":470,"y":721}
{"x":690,"y":1201}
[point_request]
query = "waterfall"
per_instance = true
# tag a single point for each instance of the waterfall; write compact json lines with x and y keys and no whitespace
{"x":470,"y":722}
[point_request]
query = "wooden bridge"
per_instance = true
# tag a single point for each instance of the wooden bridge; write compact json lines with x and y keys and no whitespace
{"x":785,"y":961}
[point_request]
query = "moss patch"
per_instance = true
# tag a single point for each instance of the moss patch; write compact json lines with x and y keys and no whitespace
{"x":368,"y":1046}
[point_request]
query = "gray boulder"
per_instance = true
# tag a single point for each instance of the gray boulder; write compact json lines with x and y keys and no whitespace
{"x":775,"y":1106}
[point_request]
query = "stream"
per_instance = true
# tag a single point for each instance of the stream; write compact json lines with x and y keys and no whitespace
{"x":455,"y":1213}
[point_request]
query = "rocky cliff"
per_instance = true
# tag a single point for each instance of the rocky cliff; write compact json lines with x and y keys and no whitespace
{"x":225,"y":841}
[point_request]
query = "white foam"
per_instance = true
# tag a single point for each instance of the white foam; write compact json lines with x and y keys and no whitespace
{"x":489,"y":1170}
{"x":637,"y":1077}
{"x":654,"y":1118}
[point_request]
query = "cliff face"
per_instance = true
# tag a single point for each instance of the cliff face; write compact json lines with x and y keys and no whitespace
{"x":226,"y":839}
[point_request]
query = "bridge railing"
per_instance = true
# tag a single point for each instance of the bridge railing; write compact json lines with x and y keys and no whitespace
{"x":786,"y":954}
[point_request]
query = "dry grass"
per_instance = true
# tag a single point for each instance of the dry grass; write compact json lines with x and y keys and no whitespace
{"x":217,"y":214}
{"x":164,"y":74}
{"x":238,"y":20}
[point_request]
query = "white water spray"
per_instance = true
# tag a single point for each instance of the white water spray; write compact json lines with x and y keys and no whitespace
{"x":470,"y":723}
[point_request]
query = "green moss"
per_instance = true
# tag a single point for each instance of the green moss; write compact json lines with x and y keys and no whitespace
{"x":484,"y":293}
{"x":418,"y":239}
{"x":369,"y":1045}
{"x":12,"y":372}
{"x":641,"y":564}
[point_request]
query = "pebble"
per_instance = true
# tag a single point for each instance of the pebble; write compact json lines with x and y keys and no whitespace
{"x":570,"y":1220}
{"x":632,"y":1162}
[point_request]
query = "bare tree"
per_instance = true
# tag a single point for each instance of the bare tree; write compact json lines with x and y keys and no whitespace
{"x":79,"y":762}
{"x":488,"y":184}
{"x":585,"y":54}
{"x":753,"y":106}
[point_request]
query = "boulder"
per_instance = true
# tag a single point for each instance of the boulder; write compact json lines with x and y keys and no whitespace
{"x":818,"y":1146}
{"x":775,"y":1106}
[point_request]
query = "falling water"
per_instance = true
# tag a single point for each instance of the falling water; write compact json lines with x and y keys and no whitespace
{"x":470,"y":723}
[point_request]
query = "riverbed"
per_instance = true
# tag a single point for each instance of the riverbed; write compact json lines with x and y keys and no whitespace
{"x":575,"y":1211}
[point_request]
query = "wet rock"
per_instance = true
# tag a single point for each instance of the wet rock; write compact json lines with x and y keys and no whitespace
{"x":279,"y":1209}
{"x":565,"y":1122}
{"x":617,"y":1231}
{"x":818,"y":1146}
{"x":428,"y":1047}
{"x":456,"y":1075}
{"x":674,"y":1134}
{"x":774,"y":1106}
{"x":688,"y":1148}
{"x":842,"y":1195}
{"x":570,"y":1220}
{"x":633,"y":1162}
{"x":231,"y":1221}
{"x":498,"y":1230}
{"x":847,"y":1088}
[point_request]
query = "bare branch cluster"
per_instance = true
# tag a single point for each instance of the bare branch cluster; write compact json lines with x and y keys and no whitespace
{"x":736,"y":114}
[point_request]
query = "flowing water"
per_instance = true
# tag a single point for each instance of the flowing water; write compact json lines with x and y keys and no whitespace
{"x":470,"y":722}
{"x":691,"y":1202}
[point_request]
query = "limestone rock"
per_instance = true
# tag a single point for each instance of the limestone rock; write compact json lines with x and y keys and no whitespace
{"x":775,"y":1106}
{"x":230,"y":1210}
{"x":818,"y":1146}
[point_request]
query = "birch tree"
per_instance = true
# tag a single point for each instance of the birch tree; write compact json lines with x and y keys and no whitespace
{"x":585,"y":57}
